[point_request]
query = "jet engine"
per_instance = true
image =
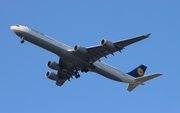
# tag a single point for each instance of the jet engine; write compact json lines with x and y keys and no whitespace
{"x":53,"y":65}
{"x":52,"y":76}
{"x":107,"y":43}
{"x":80,"y":49}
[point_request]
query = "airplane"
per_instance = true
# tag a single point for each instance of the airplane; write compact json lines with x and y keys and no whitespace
{"x":84,"y":59}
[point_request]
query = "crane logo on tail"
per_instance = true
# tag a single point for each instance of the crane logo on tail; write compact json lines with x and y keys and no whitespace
{"x":140,"y":71}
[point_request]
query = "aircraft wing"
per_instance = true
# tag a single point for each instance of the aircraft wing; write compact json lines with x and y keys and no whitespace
{"x":60,"y":82}
{"x":96,"y":52}
{"x":65,"y":73}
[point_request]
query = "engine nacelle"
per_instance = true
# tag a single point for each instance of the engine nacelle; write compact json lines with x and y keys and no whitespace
{"x":53,"y":65}
{"x":80,"y":49}
{"x":52,"y":76}
{"x":107,"y":43}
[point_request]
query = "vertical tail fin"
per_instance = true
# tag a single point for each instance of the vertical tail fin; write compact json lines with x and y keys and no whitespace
{"x":138,"y":72}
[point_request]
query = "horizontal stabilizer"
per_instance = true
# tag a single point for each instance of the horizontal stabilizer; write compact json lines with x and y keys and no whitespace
{"x":140,"y":80}
{"x":131,"y":86}
{"x":60,"y":82}
{"x":146,"y":78}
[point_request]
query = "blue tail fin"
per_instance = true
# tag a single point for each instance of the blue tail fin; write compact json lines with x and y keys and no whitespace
{"x":138,"y":72}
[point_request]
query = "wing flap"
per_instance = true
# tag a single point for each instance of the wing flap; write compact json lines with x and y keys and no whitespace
{"x":64,"y":73}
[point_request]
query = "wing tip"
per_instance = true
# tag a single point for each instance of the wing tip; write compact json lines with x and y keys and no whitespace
{"x":148,"y":35}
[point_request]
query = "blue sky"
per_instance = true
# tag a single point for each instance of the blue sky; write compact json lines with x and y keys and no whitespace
{"x":24,"y":87}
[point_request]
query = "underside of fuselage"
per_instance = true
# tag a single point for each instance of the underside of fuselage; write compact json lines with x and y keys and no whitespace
{"x":106,"y":74}
{"x":53,"y":47}
{"x":64,"y":54}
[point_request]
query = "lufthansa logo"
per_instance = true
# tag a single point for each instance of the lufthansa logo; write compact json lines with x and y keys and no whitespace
{"x":140,"y":71}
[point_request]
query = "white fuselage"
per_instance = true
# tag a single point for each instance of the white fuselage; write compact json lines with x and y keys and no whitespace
{"x":62,"y":50}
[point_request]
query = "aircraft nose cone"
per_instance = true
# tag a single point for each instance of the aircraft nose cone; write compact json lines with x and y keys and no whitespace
{"x":15,"y":29}
{"x":12,"y":28}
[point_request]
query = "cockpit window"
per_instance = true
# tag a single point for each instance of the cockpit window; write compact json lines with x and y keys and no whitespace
{"x":17,"y":25}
